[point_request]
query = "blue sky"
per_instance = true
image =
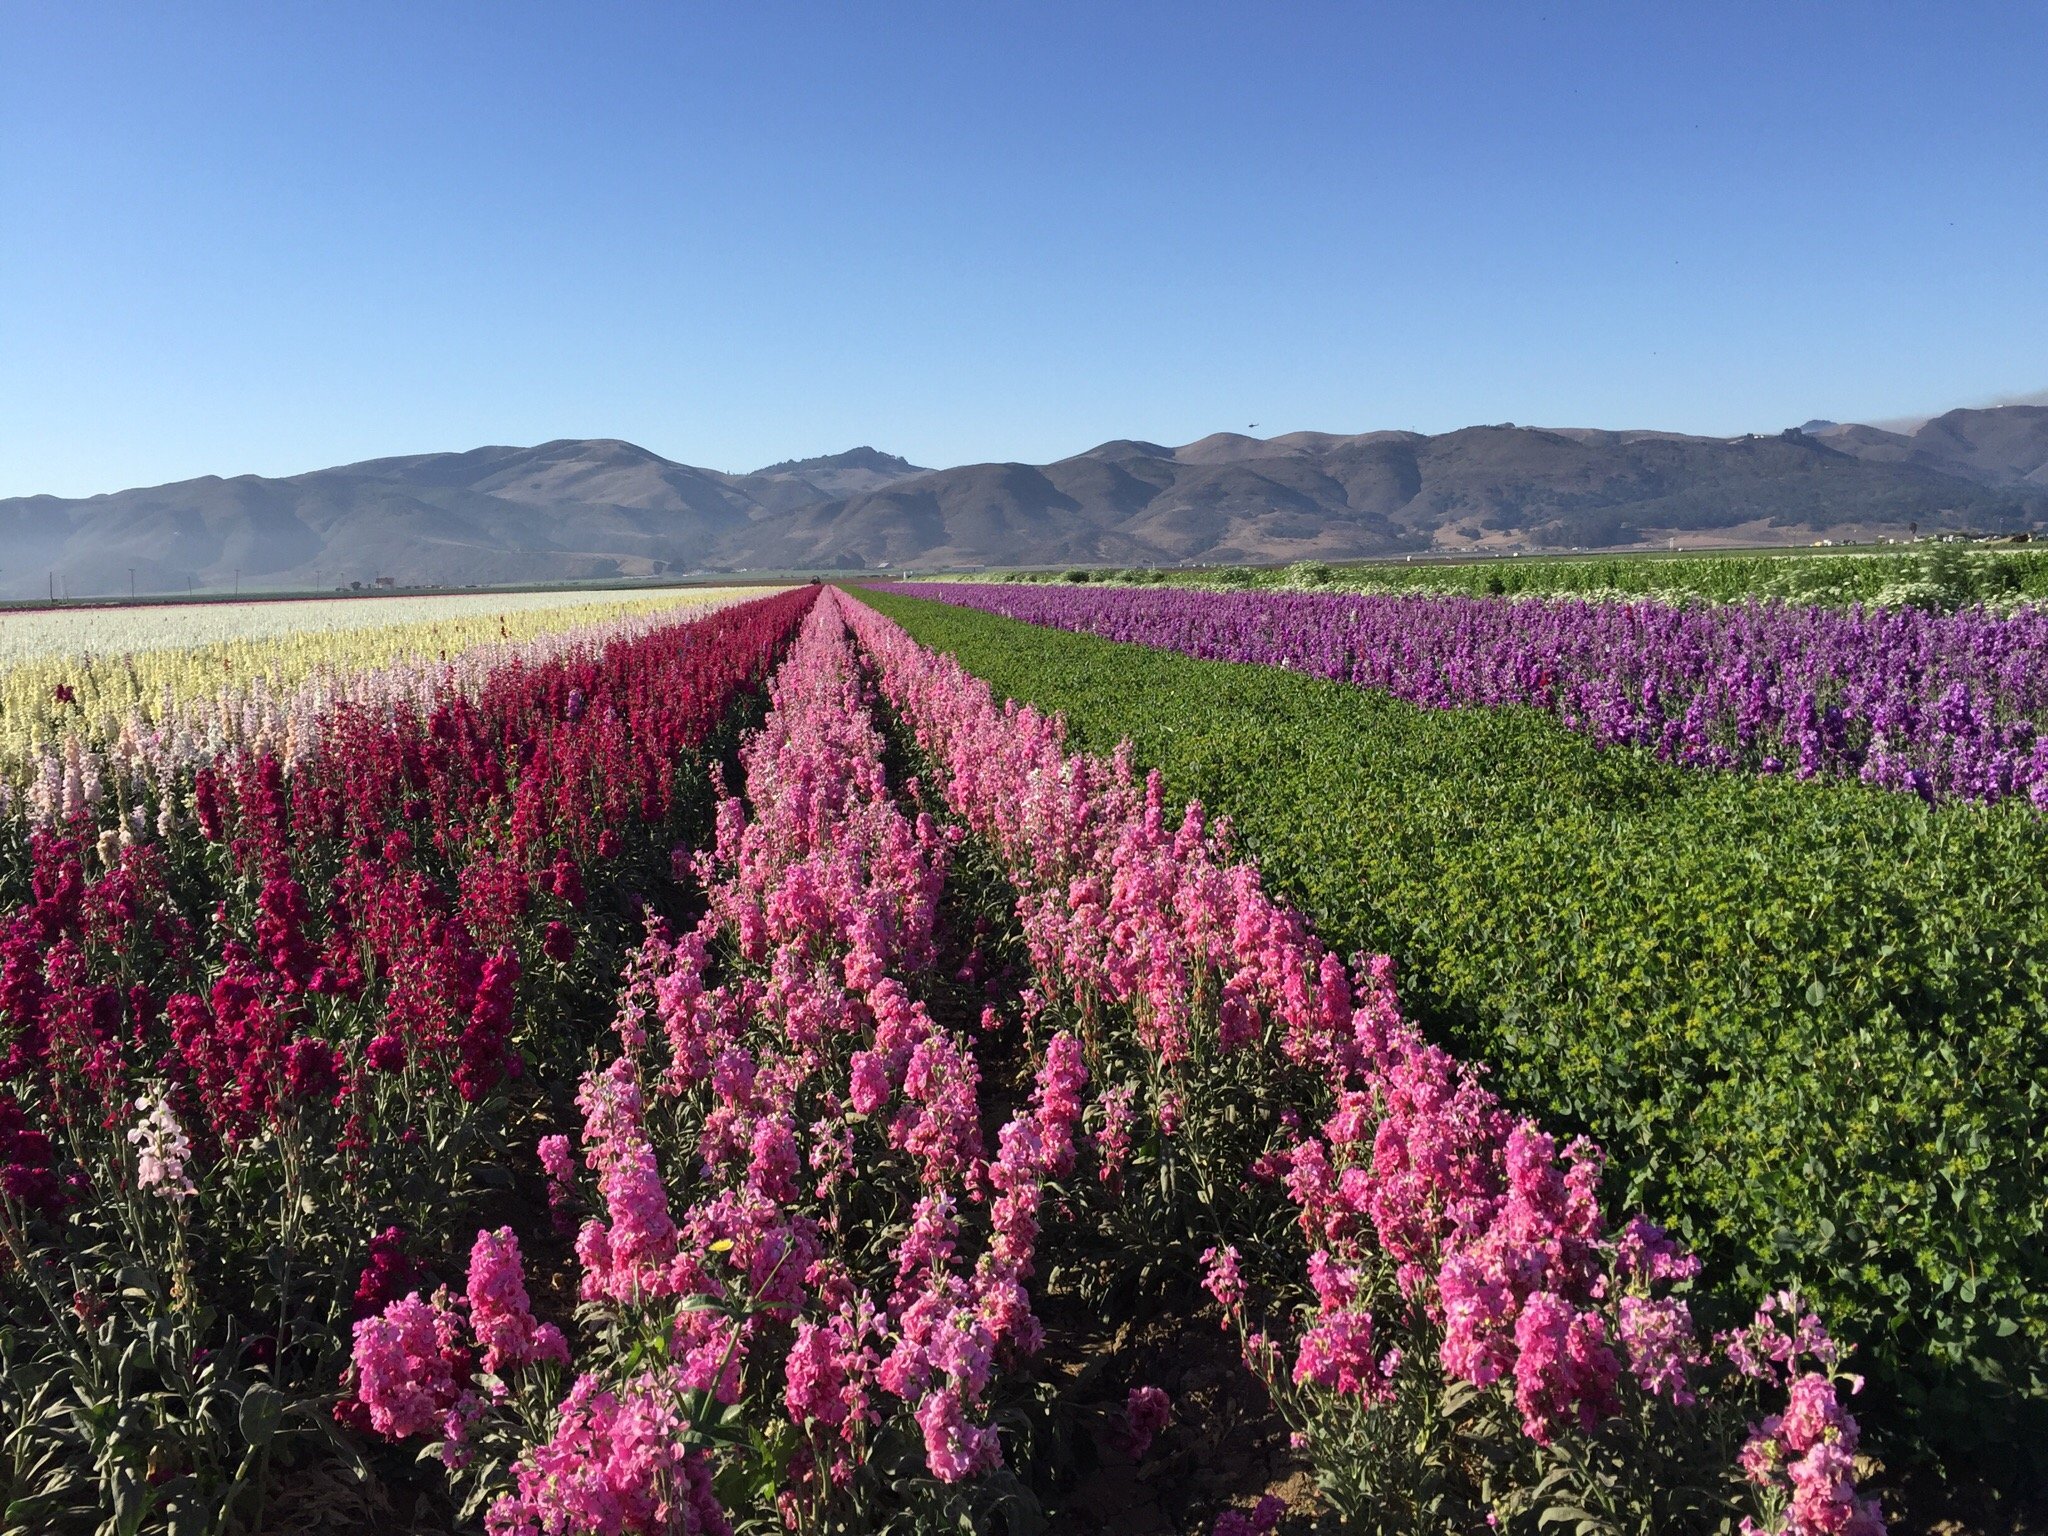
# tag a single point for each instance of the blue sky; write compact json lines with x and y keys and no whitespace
{"x":274,"y":237}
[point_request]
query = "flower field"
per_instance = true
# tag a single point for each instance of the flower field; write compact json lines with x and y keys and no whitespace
{"x":1934,"y":576}
{"x":1803,"y":1018}
{"x":450,"y":621}
{"x":728,"y":1072}
{"x":1949,"y":706}
{"x":127,"y":681}
{"x":262,"y":1025}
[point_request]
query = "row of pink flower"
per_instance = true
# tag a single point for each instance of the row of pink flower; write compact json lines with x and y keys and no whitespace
{"x":1498,"y":1235}
{"x":783,"y":1031}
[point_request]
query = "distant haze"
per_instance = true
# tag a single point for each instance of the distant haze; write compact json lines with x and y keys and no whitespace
{"x":584,"y":509}
{"x":1910,"y":424}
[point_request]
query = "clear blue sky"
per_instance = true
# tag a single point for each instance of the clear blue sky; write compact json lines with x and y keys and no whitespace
{"x":274,"y":237}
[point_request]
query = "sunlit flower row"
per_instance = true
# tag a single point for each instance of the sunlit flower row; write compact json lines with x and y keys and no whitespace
{"x":98,"y":673}
{"x":800,"y":1238}
{"x":57,"y":756}
{"x":1944,"y":706}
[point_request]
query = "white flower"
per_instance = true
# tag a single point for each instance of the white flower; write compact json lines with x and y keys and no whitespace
{"x":161,"y":1149}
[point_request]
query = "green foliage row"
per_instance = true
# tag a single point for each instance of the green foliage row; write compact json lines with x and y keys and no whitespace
{"x":1934,"y":576}
{"x":1808,"y":1022}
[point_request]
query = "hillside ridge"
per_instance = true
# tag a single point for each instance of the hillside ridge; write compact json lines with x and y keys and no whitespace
{"x":602,"y":508}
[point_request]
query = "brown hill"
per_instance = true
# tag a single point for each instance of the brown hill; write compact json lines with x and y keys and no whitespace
{"x":2001,"y":446}
{"x":600,"y":508}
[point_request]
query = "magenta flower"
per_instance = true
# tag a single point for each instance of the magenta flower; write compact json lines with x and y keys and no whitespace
{"x":1564,"y":1369}
{"x":870,"y":1082}
{"x":1662,"y":1346}
{"x":556,"y":1159}
{"x":1336,"y":1354}
{"x":1264,"y":1516}
{"x":1113,"y":1140}
{"x":312,"y":1070}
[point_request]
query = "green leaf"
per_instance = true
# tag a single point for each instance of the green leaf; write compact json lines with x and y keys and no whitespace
{"x":262,"y":1407}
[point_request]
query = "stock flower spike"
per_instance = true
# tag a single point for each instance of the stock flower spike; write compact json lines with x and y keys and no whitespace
{"x":161,"y":1149}
{"x":500,"y":1315}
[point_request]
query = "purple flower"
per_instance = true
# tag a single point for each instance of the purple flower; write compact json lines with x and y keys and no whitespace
{"x":1146,"y":1411}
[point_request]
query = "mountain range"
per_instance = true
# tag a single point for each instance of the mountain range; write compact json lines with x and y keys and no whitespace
{"x":583,"y":509}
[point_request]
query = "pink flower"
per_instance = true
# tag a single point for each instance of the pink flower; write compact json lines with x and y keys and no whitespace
{"x":1643,"y":1250}
{"x":1005,"y":1306}
{"x":1781,"y":1332}
{"x":733,"y":1074}
{"x":964,"y":1349}
{"x":1336,"y":1355}
{"x":1479,"y":1310}
{"x":928,"y":1245}
{"x":1762,"y":1453}
{"x":775,"y":1161}
{"x":1564,"y":1370}
{"x":1057,"y":1101}
{"x":870,"y":1087}
{"x":941,"y":1127}
{"x":628,"y":1259}
{"x":1113,"y":1141}
{"x":1824,"y":1498}
{"x":500,"y":1315}
{"x":643,"y":1233}
{"x":617,"y":1463}
{"x":815,"y":1377}
{"x":1661,"y":1345}
{"x":710,"y":1352}
{"x":1222,"y":1280}
{"x":955,"y":1449}
{"x":1809,"y":1448}
{"x":1814,"y":1416}
{"x":405,"y":1364}
{"x":1169,"y":1114}
{"x":557,"y":1160}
